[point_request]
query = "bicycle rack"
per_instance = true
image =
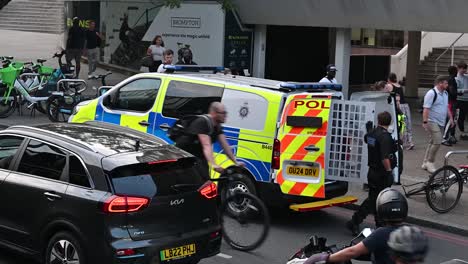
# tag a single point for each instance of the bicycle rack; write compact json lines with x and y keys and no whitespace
{"x":72,"y":81}
{"x":453,"y":152}
{"x":20,"y":80}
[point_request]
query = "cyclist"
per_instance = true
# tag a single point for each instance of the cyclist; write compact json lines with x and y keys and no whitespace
{"x":408,"y":244}
{"x":207,"y":130}
{"x":392,"y":208}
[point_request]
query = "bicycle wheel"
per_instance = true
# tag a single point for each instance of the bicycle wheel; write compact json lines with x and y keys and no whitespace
{"x":7,"y":105}
{"x":56,"y":111}
{"x":444,"y":188}
{"x":248,"y":228}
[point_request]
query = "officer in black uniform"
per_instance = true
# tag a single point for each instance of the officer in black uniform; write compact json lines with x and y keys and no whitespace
{"x":381,"y":160}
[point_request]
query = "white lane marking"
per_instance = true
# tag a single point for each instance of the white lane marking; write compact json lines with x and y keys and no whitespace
{"x":222,"y":255}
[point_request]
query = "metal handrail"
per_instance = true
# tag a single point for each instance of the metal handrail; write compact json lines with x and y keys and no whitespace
{"x":450,"y":153}
{"x":452,"y":46}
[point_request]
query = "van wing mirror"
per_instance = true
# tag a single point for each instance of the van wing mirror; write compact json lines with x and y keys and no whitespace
{"x":104,"y":89}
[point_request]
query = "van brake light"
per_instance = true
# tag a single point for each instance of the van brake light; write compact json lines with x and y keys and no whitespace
{"x":124,"y":204}
{"x":276,"y":159}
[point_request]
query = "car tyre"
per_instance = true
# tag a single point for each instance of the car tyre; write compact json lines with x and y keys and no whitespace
{"x":64,"y":246}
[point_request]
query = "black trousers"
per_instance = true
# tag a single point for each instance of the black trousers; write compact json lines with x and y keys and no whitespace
{"x":463,"y":106}
{"x":377,"y":182}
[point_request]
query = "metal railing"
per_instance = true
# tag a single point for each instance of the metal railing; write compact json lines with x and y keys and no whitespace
{"x":452,"y":46}
{"x":450,"y":153}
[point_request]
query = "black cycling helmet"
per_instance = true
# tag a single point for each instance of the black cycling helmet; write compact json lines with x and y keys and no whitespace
{"x":408,"y":244}
{"x":391,"y":206}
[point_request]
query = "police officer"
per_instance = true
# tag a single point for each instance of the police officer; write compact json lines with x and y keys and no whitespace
{"x":381,"y":160}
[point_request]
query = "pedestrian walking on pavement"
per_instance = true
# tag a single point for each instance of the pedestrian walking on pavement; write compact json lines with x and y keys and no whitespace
{"x":93,"y":42}
{"x":331,"y":73}
{"x":405,"y":109}
{"x":462,"y":99}
{"x":449,"y":131}
{"x":381,"y":161}
{"x":156,"y":51}
{"x":435,"y":114}
{"x":75,"y":45}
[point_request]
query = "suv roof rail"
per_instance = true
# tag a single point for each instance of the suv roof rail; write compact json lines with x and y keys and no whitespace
{"x":194,"y":68}
{"x":311,"y":85}
{"x":45,"y":132}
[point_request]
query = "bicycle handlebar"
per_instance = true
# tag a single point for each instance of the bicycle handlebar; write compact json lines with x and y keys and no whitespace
{"x":73,"y":81}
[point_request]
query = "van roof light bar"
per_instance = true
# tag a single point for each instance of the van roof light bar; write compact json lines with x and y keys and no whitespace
{"x":310,"y":85}
{"x":194,"y":68}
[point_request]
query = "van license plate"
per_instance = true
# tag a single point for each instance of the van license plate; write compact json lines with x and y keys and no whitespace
{"x":303,"y":171}
{"x":178,"y":252}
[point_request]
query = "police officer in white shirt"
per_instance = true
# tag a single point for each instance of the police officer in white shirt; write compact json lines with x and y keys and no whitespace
{"x":331,"y":72}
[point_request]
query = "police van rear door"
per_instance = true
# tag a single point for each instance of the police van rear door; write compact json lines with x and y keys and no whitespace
{"x":383,"y":102}
{"x":302,"y":142}
{"x":346,"y":157}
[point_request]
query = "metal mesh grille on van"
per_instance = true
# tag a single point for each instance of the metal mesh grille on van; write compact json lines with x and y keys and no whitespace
{"x":346,"y":157}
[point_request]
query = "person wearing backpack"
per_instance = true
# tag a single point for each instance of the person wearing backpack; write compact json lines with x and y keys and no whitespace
{"x":462,"y":98}
{"x":435,"y":114}
{"x":199,"y":135}
{"x":449,"y":135}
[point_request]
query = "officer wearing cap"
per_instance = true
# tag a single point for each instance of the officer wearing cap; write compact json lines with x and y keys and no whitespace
{"x":331,"y":72}
{"x":381,"y":160}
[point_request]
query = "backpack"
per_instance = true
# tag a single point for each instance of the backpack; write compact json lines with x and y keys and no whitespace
{"x":421,"y":107}
{"x":179,"y":128}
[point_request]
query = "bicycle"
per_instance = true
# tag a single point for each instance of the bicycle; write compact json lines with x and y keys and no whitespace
{"x":447,"y":181}
{"x":60,"y":105}
{"x":244,"y":217}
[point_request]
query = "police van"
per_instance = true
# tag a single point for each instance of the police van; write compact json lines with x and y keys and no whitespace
{"x":302,"y":143}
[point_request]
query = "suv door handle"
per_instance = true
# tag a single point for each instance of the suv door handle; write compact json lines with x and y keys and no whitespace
{"x":164,"y":127}
{"x":312,"y":148}
{"x":144,"y":123}
{"x":52,"y":196}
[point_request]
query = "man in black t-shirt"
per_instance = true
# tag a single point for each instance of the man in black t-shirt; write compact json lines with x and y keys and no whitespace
{"x":93,"y":42}
{"x":75,"y":44}
{"x":207,"y":130}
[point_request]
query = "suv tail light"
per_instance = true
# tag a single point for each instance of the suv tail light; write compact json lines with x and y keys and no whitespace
{"x":209,"y":190}
{"x":276,"y":159}
{"x":124,"y":204}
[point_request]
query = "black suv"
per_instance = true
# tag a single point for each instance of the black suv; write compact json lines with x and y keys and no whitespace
{"x":100,"y":193}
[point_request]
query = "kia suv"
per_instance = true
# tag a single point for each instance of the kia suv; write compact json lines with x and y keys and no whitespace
{"x":100,"y":193}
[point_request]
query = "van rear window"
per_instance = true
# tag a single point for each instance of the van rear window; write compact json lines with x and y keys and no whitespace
{"x":158,"y":179}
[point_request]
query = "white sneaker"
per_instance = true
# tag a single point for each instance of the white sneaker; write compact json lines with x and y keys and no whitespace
{"x":430,"y":167}
{"x":424,"y":165}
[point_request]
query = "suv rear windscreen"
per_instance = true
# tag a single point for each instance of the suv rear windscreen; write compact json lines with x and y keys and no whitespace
{"x":161,"y":178}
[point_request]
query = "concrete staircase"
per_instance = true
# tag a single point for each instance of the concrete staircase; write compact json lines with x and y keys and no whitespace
{"x":427,"y":72}
{"x":46,"y":16}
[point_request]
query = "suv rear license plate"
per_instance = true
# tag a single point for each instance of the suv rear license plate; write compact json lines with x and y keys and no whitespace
{"x":178,"y":252}
{"x":304,"y":171}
